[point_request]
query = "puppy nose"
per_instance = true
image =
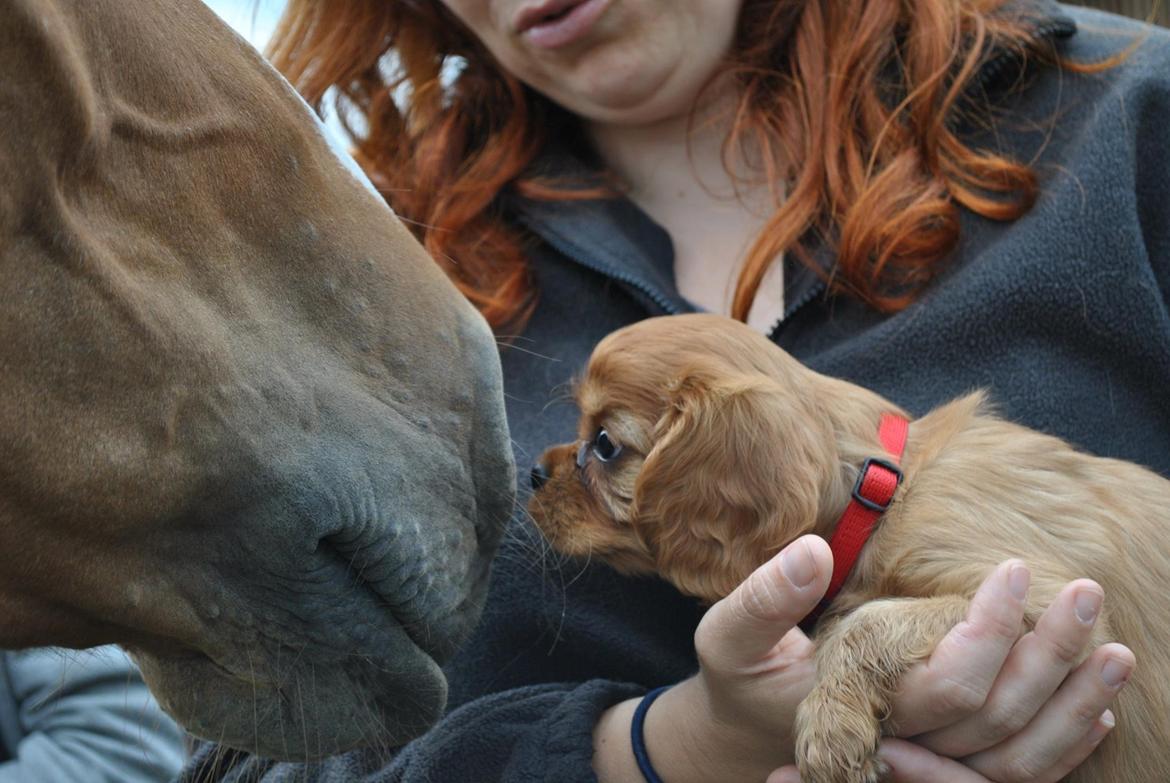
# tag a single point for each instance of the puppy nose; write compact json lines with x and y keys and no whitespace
{"x":539,"y":475}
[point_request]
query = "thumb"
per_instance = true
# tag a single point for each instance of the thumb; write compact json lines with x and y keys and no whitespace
{"x":742,"y":628}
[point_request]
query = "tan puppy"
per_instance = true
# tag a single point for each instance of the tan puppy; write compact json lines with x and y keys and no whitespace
{"x":704,"y":449}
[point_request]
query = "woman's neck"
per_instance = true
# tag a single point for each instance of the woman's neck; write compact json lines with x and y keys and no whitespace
{"x":671,"y":159}
{"x":675,"y":172}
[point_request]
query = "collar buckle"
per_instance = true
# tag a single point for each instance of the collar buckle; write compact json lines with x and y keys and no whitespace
{"x":881,"y":504}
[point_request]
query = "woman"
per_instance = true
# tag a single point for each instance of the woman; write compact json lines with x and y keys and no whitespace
{"x":922,"y":197}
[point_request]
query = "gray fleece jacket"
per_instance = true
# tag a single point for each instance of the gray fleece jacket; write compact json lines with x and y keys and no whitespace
{"x":1061,"y":315}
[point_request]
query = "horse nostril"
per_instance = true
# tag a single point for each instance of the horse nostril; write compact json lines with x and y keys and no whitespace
{"x":539,"y":475}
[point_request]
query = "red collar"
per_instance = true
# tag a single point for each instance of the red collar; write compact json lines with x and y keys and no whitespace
{"x":873,"y":492}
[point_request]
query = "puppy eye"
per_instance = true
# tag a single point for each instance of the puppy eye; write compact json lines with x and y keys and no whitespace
{"x":605,"y":448}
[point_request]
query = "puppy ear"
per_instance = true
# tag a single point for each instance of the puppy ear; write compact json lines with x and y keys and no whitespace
{"x":737,"y":470}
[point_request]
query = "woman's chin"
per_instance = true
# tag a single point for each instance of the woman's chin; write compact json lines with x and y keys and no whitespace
{"x":627,"y":98}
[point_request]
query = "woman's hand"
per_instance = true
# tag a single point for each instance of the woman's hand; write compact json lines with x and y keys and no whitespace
{"x":910,"y":763}
{"x":733,"y":721}
{"x":1015,"y":709}
{"x":1012,"y":710}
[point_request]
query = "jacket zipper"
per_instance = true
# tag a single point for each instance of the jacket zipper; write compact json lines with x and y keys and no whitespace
{"x":1048,"y":31}
{"x":571,"y":250}
{"x":809,"y":295}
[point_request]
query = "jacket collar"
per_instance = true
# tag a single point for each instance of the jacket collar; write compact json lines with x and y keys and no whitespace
{"x":613,"y":237}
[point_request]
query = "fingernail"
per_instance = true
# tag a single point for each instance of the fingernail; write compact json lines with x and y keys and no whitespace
{"x":1088,"y":604}
{"x":1103,"y":726}
{"x":1115,"y":672}
{"x":798,"y":565}
{"x":1018,"y":578}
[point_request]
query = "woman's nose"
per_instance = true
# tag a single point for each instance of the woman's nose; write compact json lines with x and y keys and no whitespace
{"x":539,"y":475}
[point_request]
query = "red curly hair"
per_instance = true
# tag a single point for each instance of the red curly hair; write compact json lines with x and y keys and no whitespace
{"x":880,"y":179}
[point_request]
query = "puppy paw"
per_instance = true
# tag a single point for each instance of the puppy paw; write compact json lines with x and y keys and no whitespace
{"x":836,"y":743}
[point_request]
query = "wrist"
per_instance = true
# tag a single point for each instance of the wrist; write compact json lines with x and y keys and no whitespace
{"x":687,"y":743}
{"x":684,"y":739}
{"x":613,"y":755}
{"x":674,"y":738}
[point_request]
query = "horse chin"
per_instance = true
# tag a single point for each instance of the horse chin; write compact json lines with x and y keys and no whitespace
{"x":312,"y":708}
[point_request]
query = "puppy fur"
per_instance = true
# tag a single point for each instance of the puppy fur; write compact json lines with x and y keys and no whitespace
{"x":731,"y":449}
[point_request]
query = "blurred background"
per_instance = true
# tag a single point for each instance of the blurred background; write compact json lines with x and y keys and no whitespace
{"x":253,"y":19}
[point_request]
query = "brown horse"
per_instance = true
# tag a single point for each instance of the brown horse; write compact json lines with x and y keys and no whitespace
{"x":247,"y":428}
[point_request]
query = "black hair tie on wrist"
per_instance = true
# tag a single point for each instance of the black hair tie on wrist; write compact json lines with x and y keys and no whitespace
{"x":639,"y":741}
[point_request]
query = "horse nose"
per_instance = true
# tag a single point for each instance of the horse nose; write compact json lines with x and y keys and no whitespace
{"x":539,"y":475}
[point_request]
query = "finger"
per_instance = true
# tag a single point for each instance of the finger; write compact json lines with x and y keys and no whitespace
{"x":1034,"y":669}
{"x":1062,"y":726}
{"x":784,"y":775}
{"x":742,"y":628}
{"x":1080,"y":751}
{"x":955,"y":682}
{"x":910,"y":763}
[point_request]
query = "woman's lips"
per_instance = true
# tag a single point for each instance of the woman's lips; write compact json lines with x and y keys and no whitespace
{"x":570,"y":21}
